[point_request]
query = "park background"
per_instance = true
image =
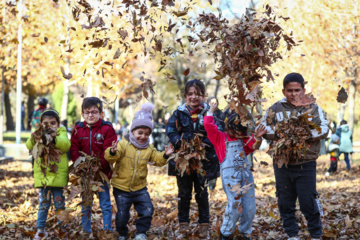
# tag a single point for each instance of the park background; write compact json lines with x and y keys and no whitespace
{"x":328,"y":56}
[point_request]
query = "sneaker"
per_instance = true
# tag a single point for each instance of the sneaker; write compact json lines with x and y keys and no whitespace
{"x":327,"y":174}
{"x":294,"y":238}
{"x":122,"y":238}
{"x":40,"y":235}
{"x":140,"y":236}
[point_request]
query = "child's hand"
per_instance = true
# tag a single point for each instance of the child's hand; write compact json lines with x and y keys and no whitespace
{"x":114,"y":146}
{"x":260,"y":131}
{"x":169,"y":149}
{"x":213,"y":106}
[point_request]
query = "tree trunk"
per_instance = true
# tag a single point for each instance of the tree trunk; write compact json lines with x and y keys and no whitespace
{"x":352,"y":94}
{"x":10,"y":126}
{"x":65,"y":100}
{"x":30,"y":108}
{"x":218,"y":84}
{"x":341,"y":113}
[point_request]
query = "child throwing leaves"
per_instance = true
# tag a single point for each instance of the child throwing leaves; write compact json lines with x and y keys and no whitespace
{"x":52,"y":182}
{"x":187,"y":121}
{"x":297,"y":179}
{"x":232,"y":147}
{"x":92,"y":137}
{"x":131,"y":156}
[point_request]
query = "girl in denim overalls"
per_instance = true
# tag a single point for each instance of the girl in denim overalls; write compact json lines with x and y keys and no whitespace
{"x":235,"y":171}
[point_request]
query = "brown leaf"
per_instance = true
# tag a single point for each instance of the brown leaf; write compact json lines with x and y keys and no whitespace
{"x":342,"y":96}
{"x":186,"y":72}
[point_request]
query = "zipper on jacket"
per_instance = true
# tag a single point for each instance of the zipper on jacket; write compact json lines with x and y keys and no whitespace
{"x":134,"y":170}
{"x":90,"y":140}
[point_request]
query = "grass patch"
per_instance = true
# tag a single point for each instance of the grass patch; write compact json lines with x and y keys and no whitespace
{"x":10,"y":136}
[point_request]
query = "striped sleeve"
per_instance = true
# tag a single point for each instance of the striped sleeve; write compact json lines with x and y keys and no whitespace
{"x":323,"y":123}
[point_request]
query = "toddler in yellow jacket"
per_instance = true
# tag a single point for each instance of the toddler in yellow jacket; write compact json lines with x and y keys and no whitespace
{"x":131,"y":156}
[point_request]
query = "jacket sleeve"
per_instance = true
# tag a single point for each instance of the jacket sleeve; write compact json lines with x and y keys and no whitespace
{"x":172,"y":131}
{"x":109,"y":137}
{"x":250,"y":144}
{"x":321,"y":121}
{"x":213,"y":133}
{"x":114,"y":158}
{"x":62,"y":141}
{"x":75,"y":145}
{"x":158,"y":158}
{"x":269,"y":124}
{"x":30,"y":143}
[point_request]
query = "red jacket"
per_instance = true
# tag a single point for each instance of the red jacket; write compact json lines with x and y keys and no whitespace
{"x":218,"y":139}
{"x":95,"y":139}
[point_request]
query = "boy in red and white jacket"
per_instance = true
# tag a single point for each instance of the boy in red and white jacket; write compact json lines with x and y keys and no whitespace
{"x":237,"y":179}
{"x":93,"y":137}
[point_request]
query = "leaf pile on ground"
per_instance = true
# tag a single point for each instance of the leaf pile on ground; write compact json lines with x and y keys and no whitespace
{"x":44,"y":148}
{"x":188,"y":158}
{"x":339,"y":195}
{"x":292,"y":134}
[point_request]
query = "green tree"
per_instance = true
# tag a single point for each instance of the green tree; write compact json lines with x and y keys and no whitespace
{"x":57,"y":98}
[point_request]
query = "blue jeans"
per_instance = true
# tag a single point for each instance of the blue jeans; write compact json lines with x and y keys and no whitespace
{"x":45,"y":202}
{"x":105,"y":205}
{"x":347,"y":160}
{"x":298,"y":182}
{"x":143,"y":206}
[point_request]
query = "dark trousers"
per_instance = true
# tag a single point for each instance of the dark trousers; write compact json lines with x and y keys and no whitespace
{"x":185,"y":185}
{"x":294,"y":182}
{"x":333,"y":165}
{"x":142,"y":204}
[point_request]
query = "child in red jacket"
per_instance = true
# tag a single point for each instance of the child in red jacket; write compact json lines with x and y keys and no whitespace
{"x":236,"y":177}
{"x":93,"y":137}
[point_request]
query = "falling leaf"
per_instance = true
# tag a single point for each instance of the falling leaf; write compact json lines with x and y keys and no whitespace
{"x":186,"y":72}
{"x":46,"y":39}
{"x":342,"y":96}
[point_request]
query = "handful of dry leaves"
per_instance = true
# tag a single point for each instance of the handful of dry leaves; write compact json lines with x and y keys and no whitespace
{"x":86,"y":179}
{"x":188,"y":157}
{"x":44,"y":151}
{"x":293,"y":135}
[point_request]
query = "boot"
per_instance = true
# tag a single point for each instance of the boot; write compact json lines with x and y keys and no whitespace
{"x":204,"y":230}
{"x":184,"y":227}
{"x":222,"y":237}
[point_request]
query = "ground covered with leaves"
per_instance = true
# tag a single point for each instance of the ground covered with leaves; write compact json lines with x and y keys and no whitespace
{"x":339,"y":194}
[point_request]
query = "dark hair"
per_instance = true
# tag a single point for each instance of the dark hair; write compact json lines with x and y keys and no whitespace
{"x":294,"y":77}
{"x":49,"y":112}
{"x":211,"y":98}
{"x":234,"y":123}
{"x":199,"y":85}
{"x":92,"y":102}
{"x":42,"y":101}
{"x":343,"y":122}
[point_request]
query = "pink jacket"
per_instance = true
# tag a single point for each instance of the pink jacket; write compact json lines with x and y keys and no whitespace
{"x":218,"y":139}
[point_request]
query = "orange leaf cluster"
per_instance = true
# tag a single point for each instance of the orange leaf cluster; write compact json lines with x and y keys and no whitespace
{"x":86,"y":179}
{"x":244,"y":52}
{"x":188,"y":157}
{"x":44,"y":149}
{"x":293,"y":135}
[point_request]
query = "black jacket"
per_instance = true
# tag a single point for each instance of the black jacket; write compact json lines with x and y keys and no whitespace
{"x":187,"y":130}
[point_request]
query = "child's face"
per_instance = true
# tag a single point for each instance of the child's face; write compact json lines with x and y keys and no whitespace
{"x":141,"y":135}
{"x":193,"y":97}
{"x":230,"y":132}
{"x":50,"y":121}
{"x":293,"y":91}
{"x":91,"y":115}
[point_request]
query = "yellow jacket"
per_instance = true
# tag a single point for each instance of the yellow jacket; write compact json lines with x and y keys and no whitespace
{"x":130,"y":169}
